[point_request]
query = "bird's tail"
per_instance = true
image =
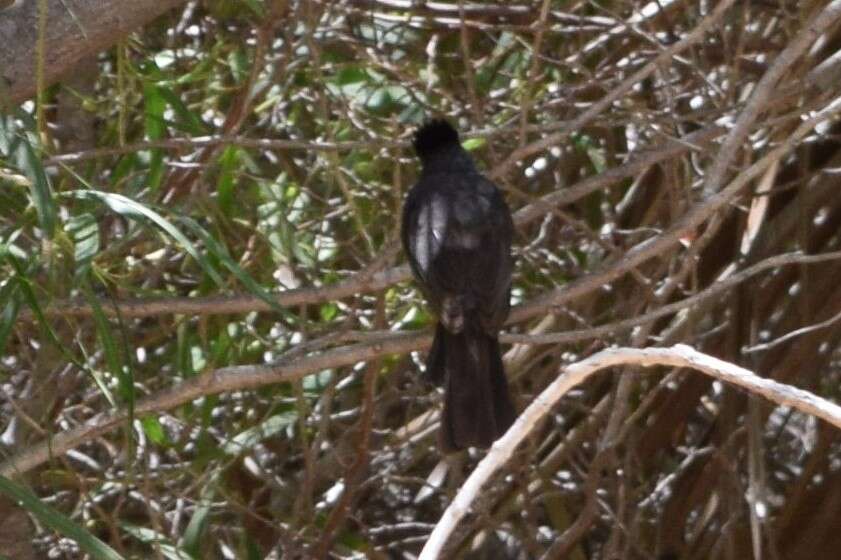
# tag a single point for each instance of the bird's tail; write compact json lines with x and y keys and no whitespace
{"x":477,"y":404}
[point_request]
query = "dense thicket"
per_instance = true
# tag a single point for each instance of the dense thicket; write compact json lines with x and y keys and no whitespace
{"x":202,"y":295}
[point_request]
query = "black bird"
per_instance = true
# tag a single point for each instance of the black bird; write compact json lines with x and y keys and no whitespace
{"x":457,"y":233}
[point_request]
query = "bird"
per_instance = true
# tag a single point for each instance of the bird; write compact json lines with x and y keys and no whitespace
{"x":456,"y":232}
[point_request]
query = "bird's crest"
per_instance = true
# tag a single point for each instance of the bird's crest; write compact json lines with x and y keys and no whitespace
{"x":433,"y":136}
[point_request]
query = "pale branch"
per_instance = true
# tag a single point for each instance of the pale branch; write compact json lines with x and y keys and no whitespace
{"x":680,"y":356}
{"x":276,"y":144}
{"x":792,"y":335}
{"x":231,"y":140}
{"x":226,"y":379}
{"x":641,"y":161}
{"x":359,"y":283}
{"x":435,"y":8}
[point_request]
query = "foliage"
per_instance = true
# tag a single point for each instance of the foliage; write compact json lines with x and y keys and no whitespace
{"x":249,"y":151}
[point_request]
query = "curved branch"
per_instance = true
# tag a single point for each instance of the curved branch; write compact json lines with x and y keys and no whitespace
{"x":713,"y":290}
{"x":680,"y":356}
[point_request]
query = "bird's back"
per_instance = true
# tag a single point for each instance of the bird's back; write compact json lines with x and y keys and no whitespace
{"x":457,"y":231}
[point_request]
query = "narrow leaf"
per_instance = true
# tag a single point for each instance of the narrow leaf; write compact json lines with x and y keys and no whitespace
{"x":129,"y":208}
{"x":57,"y":521}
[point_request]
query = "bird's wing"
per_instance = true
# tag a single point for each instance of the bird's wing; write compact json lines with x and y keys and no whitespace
{"x":424,"y":230}
{"x":492,"y":273}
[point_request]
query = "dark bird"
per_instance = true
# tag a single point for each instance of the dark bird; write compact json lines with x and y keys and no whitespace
{"x":457,"y":233}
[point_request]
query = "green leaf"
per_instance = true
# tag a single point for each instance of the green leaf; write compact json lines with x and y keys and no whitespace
{"x":10,"y":304}
{"x":183,"y":363}
{"x":125,"y":165}
{"x":57,"y":521}
{"x":238,"y":60}
{"x":245,"y":441}
{"x":351,"y":75}
{"x":84,"y":231}
{"x":316,"y":382}
{"x":328,"y":311}
{"x":228,"y":163}
{"x":380,"y":101}
{"x":154,"y":107}
{"x":159,"y":541}
{"x":222,"y":345}
{"x":31,"y":165}
{"x":204,"y":67}
{"x":154,"y":431}
{"x":594,"y":152}
{"x":256,"y":7}
{"x":253,"y":551}
{"x":473,"y":144}
{"x":185,"y":119}
{"x":29,"y":297}
{"x":115,"y":355}
{"x":129,"y":208}
{"x":221,"y":253}
{"x":192,"y":538}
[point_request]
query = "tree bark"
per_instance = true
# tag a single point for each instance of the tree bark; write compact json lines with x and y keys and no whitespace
{"x":75,"y":29}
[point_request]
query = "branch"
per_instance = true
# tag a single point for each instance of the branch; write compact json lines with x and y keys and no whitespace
{"x":225,"y":139}
{"x":222,"y":380}
{"x":359,"y":283}
{"x":680,"y":356}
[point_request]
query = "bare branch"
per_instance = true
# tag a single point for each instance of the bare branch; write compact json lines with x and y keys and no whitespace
{"x":211,"y":383}
{"x":680,"y":356}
